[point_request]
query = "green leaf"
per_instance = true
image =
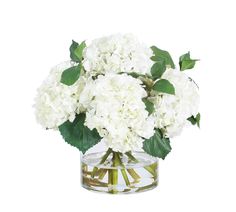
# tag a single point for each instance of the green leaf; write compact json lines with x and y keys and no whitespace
{"x":149,"y":105}
{"x":79,"y":50}
{"x":157,"y":145}
{"x":78,"y":135}
{"x":198,"y":118}
{"x":192,"y":120}
{"x":162,"y":55}
{"x":195,"y":120}
{"x":164,"y":86}
{"x":76,"y":51}
{"x":73,"y":47}
{"x":185,"y":62}
{"x":71,"y":75}
{"x":158,"y":69}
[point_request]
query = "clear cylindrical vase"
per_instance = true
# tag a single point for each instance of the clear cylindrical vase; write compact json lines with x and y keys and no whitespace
{"x":118,"y":173}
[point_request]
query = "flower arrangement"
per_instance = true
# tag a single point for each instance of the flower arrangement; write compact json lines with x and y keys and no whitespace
{"x":121,"y":92}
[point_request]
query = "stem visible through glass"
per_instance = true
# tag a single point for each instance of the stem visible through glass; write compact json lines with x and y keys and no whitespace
{"x":97,"y":174}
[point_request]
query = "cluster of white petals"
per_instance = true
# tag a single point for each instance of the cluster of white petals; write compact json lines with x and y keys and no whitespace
{"x":115,"y":108}
{"x":112,"y":99}
{"x":117,"y":53}
{"x":172,"y":111}
{"x":55,"y":102}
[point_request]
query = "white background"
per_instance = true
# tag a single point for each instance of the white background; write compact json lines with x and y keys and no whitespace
{"x":39,"y":172}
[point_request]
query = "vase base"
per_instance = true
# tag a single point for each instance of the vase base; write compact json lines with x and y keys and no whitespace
{"x":126,"y":191}
{"x":125,"y":178}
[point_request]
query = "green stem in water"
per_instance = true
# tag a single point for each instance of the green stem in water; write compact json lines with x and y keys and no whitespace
{"x":133,"y":174}
{"x":115,"y":170}
{"x":113,"y":174}
{"x":109,"y":177}
{"x":110,"y":183}
{"x":150,"y":168}
{"x":123,"y":172}
{"x":131,"y":157}
{"x":93,"y":182}
{"x":95,"y":169}
{"x":102,"y":174}
{"x":85,"y":169}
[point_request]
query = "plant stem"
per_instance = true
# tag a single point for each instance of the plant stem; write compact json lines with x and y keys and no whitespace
{"x":95,"y":169}
{"x":113,"y":174}
{"x":85,"y":168}
{"x":133,"y":174}
{"x":110,"y":177}
{"x":93,"y":182}
{"x":115,"y":170}
{"x":102,"y":174}
{"x":123,"y":172}
{"x":131,"y":157}
{"x":150,"y":168}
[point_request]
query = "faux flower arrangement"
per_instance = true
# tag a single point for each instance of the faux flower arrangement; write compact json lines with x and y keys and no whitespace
{"x":123,"y":93}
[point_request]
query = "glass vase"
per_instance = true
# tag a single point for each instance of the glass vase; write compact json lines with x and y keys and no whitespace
{"x":119,"y":173}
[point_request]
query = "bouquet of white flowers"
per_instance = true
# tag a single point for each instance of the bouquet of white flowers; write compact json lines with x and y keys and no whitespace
{"x":118,"y":91}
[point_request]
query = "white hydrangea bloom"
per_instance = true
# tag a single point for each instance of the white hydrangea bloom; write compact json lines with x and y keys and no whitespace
{"x":115,"y":108}
{"x":117,"y":53}
{"x":172,"y":111}
{"x":55,"y":102}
